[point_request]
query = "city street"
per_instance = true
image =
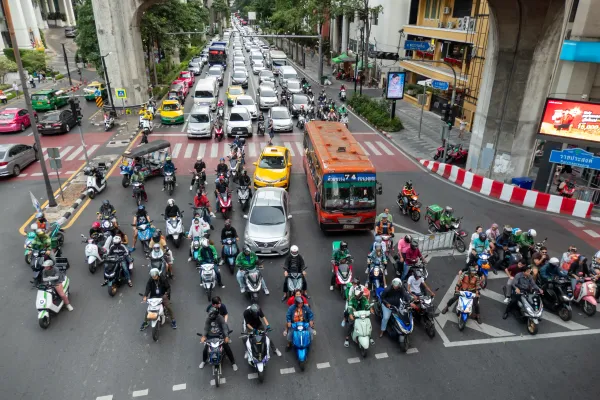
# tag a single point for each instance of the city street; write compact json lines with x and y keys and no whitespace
{"x":97,"y":352}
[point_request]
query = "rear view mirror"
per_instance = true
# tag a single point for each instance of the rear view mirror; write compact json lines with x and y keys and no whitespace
{"x":245,"y":216}
{"x":290,"y":216}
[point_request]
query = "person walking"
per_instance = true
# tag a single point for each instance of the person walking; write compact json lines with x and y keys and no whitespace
{"x":15,"y":88}
{"x":461,"y":128}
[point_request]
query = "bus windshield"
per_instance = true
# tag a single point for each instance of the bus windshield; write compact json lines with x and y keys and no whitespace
{"x":217,"y":56}
{"x":349,"y":196}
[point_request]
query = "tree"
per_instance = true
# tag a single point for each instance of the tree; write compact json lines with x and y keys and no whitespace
{"x":6,"y":66}
{"x":87,"y":38}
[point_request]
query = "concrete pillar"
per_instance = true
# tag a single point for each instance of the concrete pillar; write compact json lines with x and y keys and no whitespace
{"x":45,"y":6}
{"x":51,"y":6}
{"x":63,"y":10}
{"x":344,"y":48}
{"x":42,"y":24}
{"x":70,"y":13}
{"x":335,"y":38}
{"x":32,"y":23}
{"x":523,"y":46}
{"x":119,"y":33}
{"x":20,"y":24}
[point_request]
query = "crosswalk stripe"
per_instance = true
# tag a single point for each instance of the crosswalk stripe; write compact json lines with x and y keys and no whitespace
{"x":201,"y":149}
{"x":188,"y":150}
{"x":65,"y":151}
{"x":176,"y":150}
{"x":363,"y":149}
{"x":373,"y":148}
{"x":90,"y":151}
{"x":225,"y":150}
{"x":300,"y":147}
{"x":290,"y":148}
{"x":385,"y":149}
{"x":214,"y":150}
{"x":74,"y":154}
{"x":251,"y":149}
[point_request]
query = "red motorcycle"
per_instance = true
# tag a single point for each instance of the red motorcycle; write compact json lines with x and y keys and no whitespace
{"x":458,"y":155}
{"x":219,"y":133}
{"x":225,"y":204}
{"x":343,"y":275}
{"x":440,"y":151}
{"x":567,"y":190}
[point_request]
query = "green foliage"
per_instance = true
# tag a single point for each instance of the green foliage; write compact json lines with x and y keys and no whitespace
{"x":58,"y":76}
{"x":87,"y":38}
{"x":6,"y":66}
{"x":33,"y":60}
{"x":43,"y":37}
{"x":376,"y":112}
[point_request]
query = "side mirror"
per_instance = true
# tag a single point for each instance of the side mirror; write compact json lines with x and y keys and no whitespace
{"x":290,"y":216}
{"x":255,"y":163}
{"x":317,"y":197}
{"x":245,"y":216}
{"x":289,"y":164}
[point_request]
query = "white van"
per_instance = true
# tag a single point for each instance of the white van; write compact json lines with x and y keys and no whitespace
{"x":207,"y":92}
{"x":285,"y":73}
{"x":256,"y":56}
{"x":277,"y":59}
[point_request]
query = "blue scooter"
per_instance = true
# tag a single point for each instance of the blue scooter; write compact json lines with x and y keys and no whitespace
{"x":401,"y":325}
{"x":126,"y":170}
{"x":145,"y":232}
{"x":301,"y":340}
{"x":230,"y":252}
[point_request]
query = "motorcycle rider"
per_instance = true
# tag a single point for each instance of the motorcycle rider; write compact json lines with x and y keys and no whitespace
{"x":253,"y":321}
{"x":413,"y":254}
{"x":385,"y":227}
{"x":228,"y":232}
{"x":197,"y":231}
{"x":358,"y":302}
{"x":470,"y":282}
{"x":172,"y":209}
{"x":216,"y":327}
{"x":526,"y":242}
{"x":404,"y":245}
{"x":95,"y":230}
{"x":107,"y":209}
{"x":52,"y":275}
{"x":245,"y":180}
{"x":261,"y":122}
{"x":551,"y":270}
{"x":201,"y":200}
{"x":577,"y":270}
{"x":42,"y":241}
{"x":119,"y":249}
{"x":416,"y":282}
{"x":140,"y":216}
{"x":245,"y":261}
{"x":169,"y":167}
{"x":218,"y":304}
{"x":298,"y":312}
{"x":340,"y":254}
{"x":294,"y":264}
{"x":493,"y":232}
{"x":511,"y":272}
{"x":41,"y":220}
{"x":596,"y":260}
{"x":208,"y":255}
{"x":138,"y":176}
{"x":222,"y":167}
{"x":569,"y":256}
{"x":158,"y":238}
{"x":158,"y":287}
{"x":391,"y":296}
{"x":503,"y":242}
{"x":479,"y":245}
{"x":377,"y":256}
{"x":447,"y":219}
{"x":200,"y":169}
{"x":523,"y":282}
{"x":221,"y":188}
{"x":406,"y":194}
{"x":158,"y":254}
{"x":322,"y":96}
{"x":332,"y":116}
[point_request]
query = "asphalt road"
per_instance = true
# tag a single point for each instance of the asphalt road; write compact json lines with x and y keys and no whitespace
{"x":97,"y":351}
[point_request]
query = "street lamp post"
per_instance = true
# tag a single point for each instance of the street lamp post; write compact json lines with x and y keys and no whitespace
{"x":36,"y":135}
{"x":112,"y":103}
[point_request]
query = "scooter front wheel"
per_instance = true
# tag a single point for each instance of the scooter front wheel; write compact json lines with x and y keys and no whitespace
{"x":92,"y":194}
{"x":44,"y":321}
{"x":92,"y":267}
{"x":532,"y":327}
{"x":430,"y":328}
{"x":588,"y":308}
{"x":363,"y":352}
{"x":125,"y":181}
{"x":156,"y":331}
{"x":461,"y":323}
{"x":261,"y":376}
{"x":405,"y":345}
{"x":112,"y":290}
{"x":565,"y":313}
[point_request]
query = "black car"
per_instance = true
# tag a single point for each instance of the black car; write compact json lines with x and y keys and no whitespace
{"x":56,"y":122}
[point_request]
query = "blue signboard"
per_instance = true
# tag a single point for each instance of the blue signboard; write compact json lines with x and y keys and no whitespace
{"x":416,"y":45}
{"x":97,"y":93}
{"x":441,"y":85}
{"x":350,"y":178}
{"x":575,"y":157}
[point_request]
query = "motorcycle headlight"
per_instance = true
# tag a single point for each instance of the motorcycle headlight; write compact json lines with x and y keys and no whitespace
{"x":566,"y":298}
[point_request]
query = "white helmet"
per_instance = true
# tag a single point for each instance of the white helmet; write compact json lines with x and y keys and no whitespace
{"x":294,"y":250}
{"x":532,"y":233}
{"x":33,"y":227}
{"x":154,"y":272}
{"x":171,"y":202}
{"x":199,"y":158}
{"x":48,"y":263}
{"x":204,"y":242}
{"x":117,"y":240}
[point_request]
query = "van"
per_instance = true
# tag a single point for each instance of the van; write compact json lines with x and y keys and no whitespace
{"x":207,"y":92}
{"x":287,"y":72}
{"x":256,"y":56}
{"x":277,"y":59}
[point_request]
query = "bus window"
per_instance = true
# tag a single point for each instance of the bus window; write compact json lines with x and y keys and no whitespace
{"x":349,"y":196}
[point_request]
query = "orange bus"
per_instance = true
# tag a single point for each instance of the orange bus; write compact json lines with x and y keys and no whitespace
{"x":341,"y":178}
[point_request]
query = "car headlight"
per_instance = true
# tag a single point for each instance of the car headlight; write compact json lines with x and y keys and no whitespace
{"x":281,"y":179}
{"x":258,"y":178}
{"x":284,"y":242}
{"x":249,"y":242}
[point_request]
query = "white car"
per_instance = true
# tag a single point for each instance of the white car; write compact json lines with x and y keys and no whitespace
{"x":267,"y":97}
{"x":239,"y":59}
{"x":247,"y":46}
{"x":240,"y":68}
{"x":265,"y":76}
{"x":257,"y":67}
{"x":294,"y":86}
{"x":217,"y":72}
{"x":282,"y":120}
{"x":249,"y":103}
{"x":239,"y":122}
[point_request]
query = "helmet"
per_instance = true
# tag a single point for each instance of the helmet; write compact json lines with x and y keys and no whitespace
{"x":48,"y":263}
{"x":483,"y":236}
{"x":377,"y":246}
{"x":254,"y":308}
{"x":414,"y":244}
{"x":117,"y":240}
{"x":294,"y":251}
{"x":213,"y":313}
{"x":472,"y":269}
{"x":221,"y":179}
{"x":408,"y":185}
{"x":39,"y":215}
{"x":228,"y":223}
{"x":418,"y":273}
{"x":196,"y":245}
{"x":384,"y":216}
{"x":378,"y":239}
{"x":33,"y":227}
{"x":343,"y":246}
{"x":168,"y":158}
{"x":96,"y":225}
{"x":532,"y":233}
{"x":247,"y":250}
{"x":408,"y":238}
{"x":204,"y":243}
{"x":507,"y":230}
{"x":171,"y":202}
{"x":396,"y":282}
{"x":449,"y":210}
{"x":156,"y":247}
{"x":141,"y":207}
{"x":358,"y":292}
{"x":554,"y":262}
{"x":582,"y":260}
{"x":244,"y":172}
{"x":39,"y":232}
{"x":156,"y":236}
{"x":199,"y":158}
{"x":298,"y":300}
{"x":106,"y":203}
{"x":221,"y":159}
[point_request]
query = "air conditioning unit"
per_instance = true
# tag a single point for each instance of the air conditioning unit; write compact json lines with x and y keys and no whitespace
{"x":466,"y":21}
{"x":472,"y":23}
{"x":440,"y":24}
{"x":450,"y":25}
{"x":461,"y":24}
{"x":447,"y":10}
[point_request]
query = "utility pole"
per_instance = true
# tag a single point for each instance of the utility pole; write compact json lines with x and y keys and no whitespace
{"x":67,"y":64}
{"x":112,"y":103}
{"x":321,"y":54}
{"x":36,"y":135}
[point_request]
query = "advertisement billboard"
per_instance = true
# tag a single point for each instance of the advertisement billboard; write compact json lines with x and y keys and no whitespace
{"x":571,"y":120}
{"x":251,"y":15}
{"x":395,"y":85}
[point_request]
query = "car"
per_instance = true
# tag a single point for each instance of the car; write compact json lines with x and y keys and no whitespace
{"x":187,"y":77}
{"x":257,"y":67}
{"x":273,"y":168}
{"x":282,"y":120}
{"x":56,"y":122}
{"x":15,"y":157}
{"x":249,"y":103}
{"x":185,"y":88}
{"x":240,"y":59}
{"x":15,"y":120}
{"x":195,"y":67}
{"x":171,"y":113}
{"x":297,"y":102}
{"x":70,"y":31}
{"x":265,"y":75}
{"x":267,"y":231}
{"x":247,"y":46}
{"x":217,"y":71}
{"x":239,"y":64}
{"x":200,"y":123}
{"x":239,"y":122}
{"x":267,"y":97}
{"x":239,"y":68}
{"x":270,"y":84}
{"x":49,"y":99}
{"x":294,"y":86}
{"x":239,"y":78}
{"x":256,"y":55}
{"x":238,"y":53}
{"x":232,"y":93}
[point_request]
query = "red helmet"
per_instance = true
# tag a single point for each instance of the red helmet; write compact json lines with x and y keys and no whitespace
{"x":96,"y":225}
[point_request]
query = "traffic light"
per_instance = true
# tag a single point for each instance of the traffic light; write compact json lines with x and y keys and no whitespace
{"x":445,"y":112}
{"x":384,"y":55}
{"x":450,"y":119}
{"x":75,"y":108}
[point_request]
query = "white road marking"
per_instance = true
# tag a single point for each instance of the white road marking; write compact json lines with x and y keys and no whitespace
{"x":592,"y":233}
{"x":323,"y":365}
{"x":181,"y":386}
{"x":37,"y":174}
{"x":412,"y":350}
{"x":290,"y":148}
{"x":284,"y":371}
{"x":576,"y":223}
{"x":214,"y":150}
{"x":385,"y":148}
{"x":185,"y":124}
{"x":168,"y":134}
{"x":74,"y":154}
{"x":372,"y":147}
{"x":108,"y":397}
{"x":21,"y":175}
{"x":363,"y":149}
{"x":201,"y":149}
{"x":300,"y":148}
{"x":253,"y":376}
{"x":30,"y":134}
{"x":353,"y":360}
{"x":364,"y":133}
{"x":226,"y":150}
{"x":521,"y":338}
{"x":176,"y":150}
{"x":90,"y":151}
{"x":140,"y":393}
{"x":379,"y":356}
{"x":221,"y":381}
{"x":188,"y":150}
{"x":251,"y":149}
{"x":69,"y":172}
{"x":65,"y":151}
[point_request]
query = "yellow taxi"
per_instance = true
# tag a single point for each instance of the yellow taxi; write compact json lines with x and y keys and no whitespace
{"x":171,"y":112}
{"x":232,"y":94}
{"x":273,"y":168}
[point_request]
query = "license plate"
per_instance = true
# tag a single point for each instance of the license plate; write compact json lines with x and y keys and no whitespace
{"x":265,"y":251}
{"x":348,"y":226}
{"x":48,"y":125}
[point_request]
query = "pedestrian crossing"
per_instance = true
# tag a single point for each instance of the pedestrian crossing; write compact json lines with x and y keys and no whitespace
{"x":72,"y":153}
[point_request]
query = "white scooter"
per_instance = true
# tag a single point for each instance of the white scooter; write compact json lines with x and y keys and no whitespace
{"x":464,"y":308}
{"x":361,"y":334}
{"x":93,"y":253}
{"x":342,"y":95}
{"x":175,"y":229}
{"x":155,"y":313}
{"x":48,"y":302}
{"x":208,"y":278}
{"x":92,"y":187}
{"x":109,"y":122}
{"x":344,"y":120}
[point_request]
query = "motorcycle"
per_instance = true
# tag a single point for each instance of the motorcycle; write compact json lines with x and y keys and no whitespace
{"x":157,"y":261}
{"x":557,"y":296}
{"x":57,"y":235}
{"x":361,"y":334}
{"x":175,"y":229}
{"x":458,"y":155}
{"x":464,"y":308}
{"x":483,"y":268}
{"x":215,"y":356}
{"x":585,"y":295}
{"x":414,"y":206}
{"x":417,"y":265}
{"x":376,"y":279}
{"x":126,"y":168}
{"x":48,"y":302}
{"x":230,"y":252}
{"x":401,"y":325}
{"x":113,"y":273}
{"x":258,"y":351}
{"x":220,"y":113}
{"x":109,"y":123}
{"x":199,"y":180}
{"x":28,"y":240}
{"x":301,"y":121}
{"x":388,"y":244}
{"x":208,"y":278}
{"x":92,"y":187}
{"x":261,"y":128}
{"x":94,"y":251}
{"x":156,"y":313}
{"x":243,"y":193}
{"x":37,"y":260}
{"x":426,"y":312}
{"x":343,"y":275}
{"x":458,"y":241}
{"x":301,"y":340}
{"x":225,"y":204}
{"x":530,"y":310}
{"x":344,"y":120}
{"x":169,"y":182}
{"x":253,"y":283}
{"x":145,"y":232}
{"x":342,"y":95}
{"x":294,"y":282}
{"x":439,"y":153}
{"x":138,"y":192}
{"x":567,"y":190}
{"x":219,"y":133}
{"x":233,"y":169}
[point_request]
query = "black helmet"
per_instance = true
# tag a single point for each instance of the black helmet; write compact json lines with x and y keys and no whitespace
{"x":106,"y":203}
{"x":483,"y":236}
{"x":408,"y":238}
{"x":408,"y":185}
{"x":414,"y":244}
{"x":141,"y":208}
{"x":244,"y":172}
{"x":213,"y":313}
{"x":156,"y":236}
{"x":343,"y":246}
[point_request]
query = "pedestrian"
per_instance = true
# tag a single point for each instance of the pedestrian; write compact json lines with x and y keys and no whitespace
{"x":53,"y":78}
{"x":3,"y":97}
{"x":271,"y":132}
{"x":43,"y":76}
{"x":461,"y":128}
{"x":39,"y":76}
{"x":32,"y":81}
{"x":15,"y":88}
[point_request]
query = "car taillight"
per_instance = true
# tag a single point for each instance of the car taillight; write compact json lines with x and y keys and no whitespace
{"x":55,"y":125}
{"x":39,"y":126}
{"x":3,"y":164}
